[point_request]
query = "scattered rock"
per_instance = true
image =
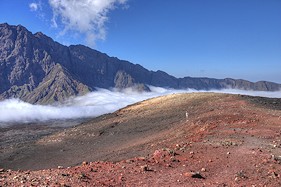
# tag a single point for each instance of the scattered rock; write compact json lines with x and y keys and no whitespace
{"x":93,"y":170}
{"x":65,"y":175}
{"x":63,"y":185}
{"x":129,"y":161}
{"x":83,"y":176}
{"x":145,"y":168}
{"x":157,"y":153}
{"x":277,"y":159}
{"x":240,"y":175}
{"x":141,"y":158}
{"x":170,"y":151}
{"x":173,"y":159}
{"x":194,"y":175}
{"x":121,"y":178}
{"x":168,"y":165}
{"x":182,"y":148}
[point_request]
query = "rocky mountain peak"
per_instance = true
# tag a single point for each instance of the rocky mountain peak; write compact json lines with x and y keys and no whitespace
{"x":36,"y":69}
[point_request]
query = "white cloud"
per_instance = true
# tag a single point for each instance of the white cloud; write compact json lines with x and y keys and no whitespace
{"x":33,"y":6}
{"x":91,"y":105}
{"x":37,"y":7}
{"x":87,"y":17}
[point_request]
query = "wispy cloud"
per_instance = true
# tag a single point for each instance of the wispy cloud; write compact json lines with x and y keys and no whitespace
{"x":34,"y":6}
{"x":91,"y":105}
{"x":37,"y":7}
{"x":87,"y":17}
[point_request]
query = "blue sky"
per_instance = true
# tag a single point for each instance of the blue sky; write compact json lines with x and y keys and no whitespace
{"x":199,"y":38}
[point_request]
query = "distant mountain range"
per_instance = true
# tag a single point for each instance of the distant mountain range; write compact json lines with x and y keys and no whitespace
{"x":36,"y":69}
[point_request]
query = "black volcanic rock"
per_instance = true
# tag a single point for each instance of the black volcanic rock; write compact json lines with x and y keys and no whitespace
{"x":37,"y":69}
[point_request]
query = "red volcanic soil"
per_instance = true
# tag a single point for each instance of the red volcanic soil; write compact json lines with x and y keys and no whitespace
{"x":226,"y":140}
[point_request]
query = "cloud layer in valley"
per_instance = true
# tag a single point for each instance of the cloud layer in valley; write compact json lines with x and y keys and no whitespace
{"x":93,"y":104}
{"x":90,"y":105}
{"x":86,"y":17}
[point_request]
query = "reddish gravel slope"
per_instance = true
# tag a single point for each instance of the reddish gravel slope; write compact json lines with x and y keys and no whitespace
{"x":227,"y":140}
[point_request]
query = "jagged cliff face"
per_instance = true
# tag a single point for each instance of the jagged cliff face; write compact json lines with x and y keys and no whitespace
{"x":32,"y":67}
{"x":36,"y":69}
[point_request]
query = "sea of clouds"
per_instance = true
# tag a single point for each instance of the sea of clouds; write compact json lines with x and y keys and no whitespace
{"x":93,"y":104}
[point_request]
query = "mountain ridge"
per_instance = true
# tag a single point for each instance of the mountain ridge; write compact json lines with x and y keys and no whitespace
{"x":36,"y":69}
